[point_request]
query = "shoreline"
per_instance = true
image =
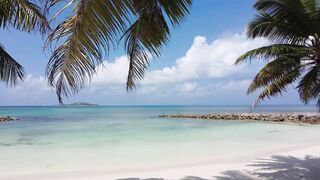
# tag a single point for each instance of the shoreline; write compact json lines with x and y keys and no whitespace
{"x":292,"y":118}
{"x":178,"y":156}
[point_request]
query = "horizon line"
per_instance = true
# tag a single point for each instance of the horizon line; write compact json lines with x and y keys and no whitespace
{"x":137,"y":105}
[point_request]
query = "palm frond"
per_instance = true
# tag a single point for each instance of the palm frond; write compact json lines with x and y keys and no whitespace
{"x":273,"y":71}
{"x":146,"y":35}
{"x":23,"y":15}
{"x":310,"y":6}
{"x":97,"y":25}
{"x":176,"y":10}
{"x":276,"y":30}
{"x":150,"y":32}
{"x":290,"y":11}
{"x":309,"y":86}
{"x":278,"y":85}
{"x":138,"y":57}
{"x":293,"y":27}
{"x":89,"y":33}
{"x":274,"y":51}
{"x":10,"y":71}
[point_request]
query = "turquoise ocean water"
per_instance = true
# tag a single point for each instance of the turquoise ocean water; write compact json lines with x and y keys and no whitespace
{"x":52,"y":139}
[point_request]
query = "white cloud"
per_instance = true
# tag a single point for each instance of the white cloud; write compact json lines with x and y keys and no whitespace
{"x":112,"y":74}
{"x":189,"y":87}
{"x":213,"y":60}
{"x":33,"y":90}
{"x":204,"y":60}
{"x":32,"y":82}
{"x":232,"y":85}
{"x":205,"y":74}
{"x":148,"y":90}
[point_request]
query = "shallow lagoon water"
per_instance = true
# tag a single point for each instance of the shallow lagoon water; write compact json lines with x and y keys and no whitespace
{"x":51,"y":139}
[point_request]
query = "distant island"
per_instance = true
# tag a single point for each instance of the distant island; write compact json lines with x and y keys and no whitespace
{"x":82,"y":104}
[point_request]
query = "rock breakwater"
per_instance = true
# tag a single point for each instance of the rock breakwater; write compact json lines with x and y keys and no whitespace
{"x":272,"y":117}
{"x":7,"y":118}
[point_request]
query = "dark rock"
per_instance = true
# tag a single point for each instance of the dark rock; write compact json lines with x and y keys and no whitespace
{"x":273,"y":117}
{"x":7,"y":118}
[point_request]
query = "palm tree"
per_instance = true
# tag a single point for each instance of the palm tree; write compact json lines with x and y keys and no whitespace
{"x":293,"y":27}
{"x":25,"y":16}
{"x":95,"y":26}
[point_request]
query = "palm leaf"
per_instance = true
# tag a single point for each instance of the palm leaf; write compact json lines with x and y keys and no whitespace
{"x":293,"y":27}
{"x":273,"y":71}
{"x":309,"y":86}
{"x":10,"y":71}
{"x":96,"y":25}
{"x":291,"y":11}
{"x":274,"y":51}
{"x":310,"y":6}
{"x":278,"y":85}
{"x":88,"y":33}
{"x":276,"y":30}
{"x":150,"y":32}
{"x":176,"y":10}
{"x":23,"y":15}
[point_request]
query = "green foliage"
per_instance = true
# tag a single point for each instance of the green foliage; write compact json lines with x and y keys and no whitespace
{"x":94,"y":27}
{"x":25,"y":16}
{"x":293,"y":28}
{"x":10,"y":70}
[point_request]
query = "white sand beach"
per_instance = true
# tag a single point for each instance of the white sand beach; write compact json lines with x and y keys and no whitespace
{"x":160,"y":90}
{"x":302,"y":163}
{"x":106,"y":143}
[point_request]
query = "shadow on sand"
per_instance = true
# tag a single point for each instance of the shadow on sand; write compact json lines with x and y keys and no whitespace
{"x":279,"y":168}
{"x":275,"y":168}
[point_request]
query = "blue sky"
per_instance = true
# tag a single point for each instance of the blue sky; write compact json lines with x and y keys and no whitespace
{"x":195,"y":68}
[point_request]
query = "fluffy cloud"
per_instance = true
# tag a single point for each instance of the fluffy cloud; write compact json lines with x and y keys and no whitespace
{"x":30,"y":82}
{"x":112,"y":74}
{"x":189,"y":87}
{"x":204,"y":60}
{"x":206,"y":74}
{"x":207,"y":69}
{"x":33,"y":90}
